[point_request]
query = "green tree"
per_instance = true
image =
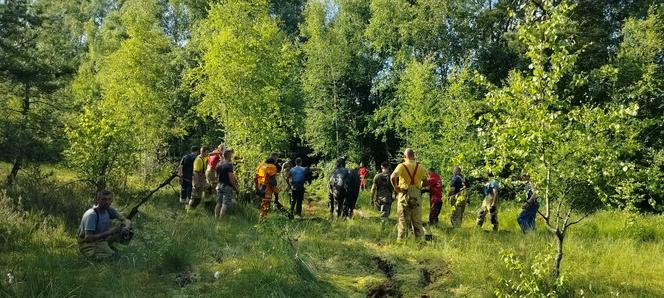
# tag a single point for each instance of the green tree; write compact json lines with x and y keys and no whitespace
{"x":439,"y":118}
{"x":38,"y":54}
{"x":450,"y":38}
{"x":636,"y":75}
{"x":290,"y":13}
{"x":566,"y":148}
{"x":126,"y":99}
{"x":337,"y":77}
{"x":246,"y":78}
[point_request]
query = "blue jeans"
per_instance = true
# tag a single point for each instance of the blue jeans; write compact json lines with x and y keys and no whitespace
{"x":527,"y":217}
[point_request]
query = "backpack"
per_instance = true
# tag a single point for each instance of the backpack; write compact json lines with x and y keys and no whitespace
{"x":413,"y":192}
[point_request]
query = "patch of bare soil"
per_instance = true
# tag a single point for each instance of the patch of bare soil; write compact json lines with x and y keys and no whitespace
{"x":389,"y":288}
{"x":432,"y":270}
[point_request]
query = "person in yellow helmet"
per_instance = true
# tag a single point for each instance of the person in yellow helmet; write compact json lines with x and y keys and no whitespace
{"x":265,"y":182}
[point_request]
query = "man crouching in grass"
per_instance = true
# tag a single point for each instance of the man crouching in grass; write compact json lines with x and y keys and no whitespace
{"x":95,"y":234}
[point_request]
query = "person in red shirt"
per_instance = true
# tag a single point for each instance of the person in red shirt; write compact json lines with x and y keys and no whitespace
{"x":435,"y":189}
{"x":213,"y":160}
{"x":363,"y":172}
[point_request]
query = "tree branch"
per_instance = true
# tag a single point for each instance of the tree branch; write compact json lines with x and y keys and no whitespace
{"x":546,"y":221}
{"x":52,"y":105}
{"x":576,"y":221}
{"x":560,"y":204}
{"x":567,"y":216}
{"x":543,"y":216}
{"x":564,"y":157}
{"x":12,"y":110}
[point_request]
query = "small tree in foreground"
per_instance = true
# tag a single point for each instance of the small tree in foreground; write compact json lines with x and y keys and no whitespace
{"x":534,"y":123}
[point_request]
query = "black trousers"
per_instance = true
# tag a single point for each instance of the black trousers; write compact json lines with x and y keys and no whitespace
{"x":434,"y":211}
{"x":297,"y":197}
{"x":185,"y":192}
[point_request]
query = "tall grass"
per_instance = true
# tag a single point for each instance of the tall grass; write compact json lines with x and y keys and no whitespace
{"x":176,"y":254}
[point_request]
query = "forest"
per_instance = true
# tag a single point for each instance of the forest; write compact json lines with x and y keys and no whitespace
{"x":111,"y":94}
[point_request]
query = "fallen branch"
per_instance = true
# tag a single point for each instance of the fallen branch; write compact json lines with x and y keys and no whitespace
{"x":134,"y":210}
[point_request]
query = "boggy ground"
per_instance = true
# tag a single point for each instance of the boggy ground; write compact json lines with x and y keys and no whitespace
{"x":175,"y":254}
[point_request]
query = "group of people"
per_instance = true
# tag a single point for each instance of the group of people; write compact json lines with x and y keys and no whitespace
{"x":206,"y":172}
{"x":410,"y":179}
{"x":200,"y":172}
{"x":266,"y":184}
{"x":203,"y":172}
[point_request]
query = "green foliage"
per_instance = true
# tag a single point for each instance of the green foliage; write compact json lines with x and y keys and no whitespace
{"x":38,"y":55}
{"x":246,"y":78}
{"x":639,"y":71}
{"x":290,"y":13}
{"x":570,"y":91}
{"x":313,"y":256}
{"x":125,"y":120}
{"x":634,"y":78}
{"x":336,"y":80}
{"x":102,"y":149}
{"x":528,"y":280}
{"x":437,"y":30}
{"x":16,"y":227}
{"x":639,"y":229}
{"x":534,"y":124}
{"x":440,"y":120}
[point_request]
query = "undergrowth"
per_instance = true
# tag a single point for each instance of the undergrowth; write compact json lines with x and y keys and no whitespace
{"x":176,"y":254}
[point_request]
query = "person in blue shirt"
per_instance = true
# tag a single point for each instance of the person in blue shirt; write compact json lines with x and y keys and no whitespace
{"x":298,"y":176}
{"x":489,"y":205}
{"x":527,"y":216}
{"x":458,"y":197}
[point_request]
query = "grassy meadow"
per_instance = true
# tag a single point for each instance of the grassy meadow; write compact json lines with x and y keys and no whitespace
{"x":176,"y":253}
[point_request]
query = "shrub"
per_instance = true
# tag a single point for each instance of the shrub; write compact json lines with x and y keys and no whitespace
{"x":41,"y":192}
{"x":528,"y":280}
{"x":636,"y":229}
{"x":15,"y":226}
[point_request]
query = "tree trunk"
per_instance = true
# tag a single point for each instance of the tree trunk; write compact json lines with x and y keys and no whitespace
{"x":18,"y":158}
{"x":336,"y":119}
{"x":560,"y":236}
{"x":11,"y":178}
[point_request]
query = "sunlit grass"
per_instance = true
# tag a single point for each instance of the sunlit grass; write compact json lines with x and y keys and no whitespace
{"x":611,"y":253}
